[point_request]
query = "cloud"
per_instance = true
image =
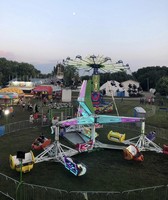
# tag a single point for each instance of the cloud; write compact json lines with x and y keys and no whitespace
{"x":6,"y":54}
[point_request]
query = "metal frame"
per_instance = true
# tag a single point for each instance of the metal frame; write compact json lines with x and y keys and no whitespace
{"x":56,"y":151}
{"x":143,"y":143}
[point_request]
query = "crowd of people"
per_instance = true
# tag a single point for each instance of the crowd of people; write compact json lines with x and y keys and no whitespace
{"x":149,"y":100}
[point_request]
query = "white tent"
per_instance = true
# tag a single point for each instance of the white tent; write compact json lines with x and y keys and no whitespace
{"x":112,"y":88}
{"x":132,"y":83}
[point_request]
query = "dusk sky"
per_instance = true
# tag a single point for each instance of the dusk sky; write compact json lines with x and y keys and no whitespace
{"x":42,"y":32}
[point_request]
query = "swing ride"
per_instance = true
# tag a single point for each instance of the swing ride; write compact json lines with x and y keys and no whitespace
{"x":97,"y":64}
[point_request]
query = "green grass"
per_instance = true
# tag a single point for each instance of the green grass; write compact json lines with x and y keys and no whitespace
{"x":106,"y":169}
{"x":126,"y":108}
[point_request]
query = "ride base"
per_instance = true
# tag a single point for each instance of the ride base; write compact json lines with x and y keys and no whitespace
{"x":143,"y":143}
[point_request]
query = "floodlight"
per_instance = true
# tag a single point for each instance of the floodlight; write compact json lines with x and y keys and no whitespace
{"x":6,"y":112}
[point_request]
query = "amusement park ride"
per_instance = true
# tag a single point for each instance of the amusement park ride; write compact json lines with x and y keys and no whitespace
{"x":83,"y":126}
{"x":97,"y":64}
{"x":81,"y":130}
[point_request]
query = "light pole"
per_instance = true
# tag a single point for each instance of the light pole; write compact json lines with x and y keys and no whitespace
{"x":6,"y":113}
{"x":20,"y":156}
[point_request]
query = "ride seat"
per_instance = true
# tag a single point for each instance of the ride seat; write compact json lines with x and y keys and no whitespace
{"x":27,"y":162}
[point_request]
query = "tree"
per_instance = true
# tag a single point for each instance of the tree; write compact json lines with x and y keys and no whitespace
{"x":162,"y":86}
{"x":118,"y":76}
{"x":71,"y":75}
{"x":12,"y":69}
{"x":149,"y":76}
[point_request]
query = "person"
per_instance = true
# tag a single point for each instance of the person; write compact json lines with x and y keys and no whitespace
{"x":45,"y":101}
{"x":153,"y":100}
{"x":36,"y":116}
{"x":23,"y":105}
{"x":149,"y":100}
{"x":51,"y":101}
{"x":35,"y":108}
{"x":62,"y":131}
{"x":11,"y":110}
{"x":29,"y":107}
{"x":44,"y":118}
{"x":54,"y":120}
{"x":31,"y":118}
{"x":41,"y":138}
{"x":151,"y":135}
{"x":53,"y":123}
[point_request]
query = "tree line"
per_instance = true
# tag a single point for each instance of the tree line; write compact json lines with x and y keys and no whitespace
{"x":14,"y":70}
{"x":155,"y":77}
{"x":148,"y":77}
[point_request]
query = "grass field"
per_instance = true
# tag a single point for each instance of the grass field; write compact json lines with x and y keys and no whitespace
{"x":106,"y":169}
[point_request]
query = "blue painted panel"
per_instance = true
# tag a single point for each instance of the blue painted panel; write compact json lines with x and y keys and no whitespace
{"x":2,"y":130}
{"x":121,"y":94}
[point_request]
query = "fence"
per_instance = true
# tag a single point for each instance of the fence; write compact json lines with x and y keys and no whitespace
{"x":12,"y":189}
{"x":9,"y":190}
{"x":150,"y":193}
{"x":8,"y":186}
{"x":63,"y":113}
{"x":4,"y":196}
{"x":13,"y":127}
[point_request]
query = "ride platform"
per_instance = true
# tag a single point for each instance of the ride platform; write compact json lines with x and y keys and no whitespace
{"x":76,"y":138}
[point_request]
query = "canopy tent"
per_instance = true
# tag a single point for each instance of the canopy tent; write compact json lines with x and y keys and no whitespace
{"x":8,"y":97}
{"x":43,"y":88}
{"x":12,"y":90}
